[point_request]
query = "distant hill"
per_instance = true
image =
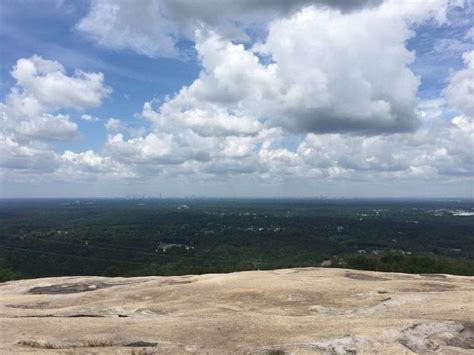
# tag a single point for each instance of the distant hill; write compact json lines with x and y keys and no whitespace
{"x":304,"y":310}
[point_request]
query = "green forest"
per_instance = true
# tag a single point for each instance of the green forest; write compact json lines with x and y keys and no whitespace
{"x":131,"y":237}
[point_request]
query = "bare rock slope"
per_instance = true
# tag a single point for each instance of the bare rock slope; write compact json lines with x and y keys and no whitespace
{"x":308,"y":310}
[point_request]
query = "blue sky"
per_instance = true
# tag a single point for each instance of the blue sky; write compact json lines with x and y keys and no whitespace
{"x":432,"y":66}
{"x":47,"y":28}
{"x":272,"y":96}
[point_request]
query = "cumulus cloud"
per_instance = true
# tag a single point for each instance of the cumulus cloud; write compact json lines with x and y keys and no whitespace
{"x":46,"y":126}
{"x":203,"y":118}
{"x":29,"y":157}
{"x":47,"y":82}
{"x":114,"y":125}
{"x":444,"y":148}
{"x":156,"y":148}
{"x":89,"y":164}
{"x":346,"y":98}
{"x":348,"y":78}
{"x":153,"y":28}
{"x":26,"y":117}
{"x":415,"y":12}
{"x":460,"y":90}
{"x":140,"y":26}
{"x":42,"y":87}
{"x":29,"y":118}
{"x":327,"y":94}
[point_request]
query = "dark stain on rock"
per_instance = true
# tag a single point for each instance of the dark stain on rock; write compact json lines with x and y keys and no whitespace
{"x":61,"y":289}
{"x":67,"y":288}
{"x":439,"y":286}
{"x":177,"y":282}
{"x":430,"y":287}
{"x":141,"y":344}
{"x":60,"y":316}
{"x":270,"y":352}
{"x":39,"y":305}
{"x":364,"y":277}
{"x":435,"y":276}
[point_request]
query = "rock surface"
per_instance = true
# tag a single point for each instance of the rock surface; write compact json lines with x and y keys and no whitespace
{"x":306,"y":310}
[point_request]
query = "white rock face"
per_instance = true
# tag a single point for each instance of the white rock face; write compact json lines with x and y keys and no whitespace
{"x":294,"y":311}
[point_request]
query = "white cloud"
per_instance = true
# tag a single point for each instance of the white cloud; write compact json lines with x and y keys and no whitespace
{"x":42,"y":88}
{"x":24,"y":116}
{"x":470,"y":34}
{"x":312,"y":84}
{"x":152,"y":27}
{"x":89,"y":164}
{"x":328,"y":95}
{"x":460,"y":90}
{"x":241,"y":114}
{"x":140,"y":26}
{"x":46,"y":126}
{"x":29,"y":157}
{"x":46,"y":81}
{"x":211,"y":120}
{"x":114,"y":125}
{"x":89,"y":118}
{"x":419,"y":11}
{"x":439,"y":149}
{"x":29,"y":118}
{"x":157,"y":148}
{"x":348,"y":77}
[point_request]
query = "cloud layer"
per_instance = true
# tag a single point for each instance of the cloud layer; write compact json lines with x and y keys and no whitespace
{"x":323,"y":91}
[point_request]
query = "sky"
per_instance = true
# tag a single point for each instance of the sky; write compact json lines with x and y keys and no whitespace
{"x":237,"y":98}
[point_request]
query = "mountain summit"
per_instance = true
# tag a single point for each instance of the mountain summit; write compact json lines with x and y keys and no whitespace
{"x":303,"y":310}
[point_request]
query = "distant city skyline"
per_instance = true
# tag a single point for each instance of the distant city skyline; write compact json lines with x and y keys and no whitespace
{"x":308,"y":98}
